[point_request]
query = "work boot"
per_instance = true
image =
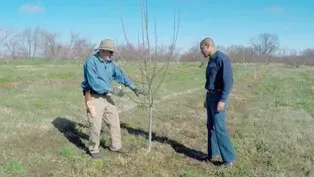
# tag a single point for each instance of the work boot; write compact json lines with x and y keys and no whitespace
{"x":210,"y":159}
{"x":96,"y":155}
{"x":227,"y":164}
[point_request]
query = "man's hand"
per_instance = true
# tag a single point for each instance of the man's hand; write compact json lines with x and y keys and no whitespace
{"x":89,"y":103}
{"x":87,"y":95}
{"x":205,"y":105}
{"x":91,"y":108}
{"x":137,"y":91}
{"x":220,"y":106}
{"x":117,"y":91}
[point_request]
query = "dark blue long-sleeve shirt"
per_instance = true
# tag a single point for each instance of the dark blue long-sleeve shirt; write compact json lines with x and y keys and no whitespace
{"x":98,"y":75}
{"x":219,"y":75}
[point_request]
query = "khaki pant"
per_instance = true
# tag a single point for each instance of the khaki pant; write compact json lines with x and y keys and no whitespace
{"x":105,"y":110}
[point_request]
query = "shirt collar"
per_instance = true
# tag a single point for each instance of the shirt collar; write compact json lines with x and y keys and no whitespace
{"x":214,"y":55}
{"x":102,"y":60}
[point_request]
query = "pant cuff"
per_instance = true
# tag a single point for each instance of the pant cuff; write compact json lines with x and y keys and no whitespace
{"x":115,"y":148}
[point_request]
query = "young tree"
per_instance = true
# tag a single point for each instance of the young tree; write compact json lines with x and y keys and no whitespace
{"x":152,"y":62}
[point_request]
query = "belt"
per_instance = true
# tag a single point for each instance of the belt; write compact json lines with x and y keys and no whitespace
{"x":93,"y":92}
{"x":214,"y":91}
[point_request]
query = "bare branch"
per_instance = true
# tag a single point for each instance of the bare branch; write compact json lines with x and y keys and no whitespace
{"x":6,"y":35}
{"x":11,"y":44}
{"x":172,"y":48}
{"x":265,"y":45}
{"x":29,"y":42}
{"x":150,"y":62}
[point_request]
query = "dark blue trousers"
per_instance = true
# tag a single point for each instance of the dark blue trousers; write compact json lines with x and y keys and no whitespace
{"x":219,"y":142}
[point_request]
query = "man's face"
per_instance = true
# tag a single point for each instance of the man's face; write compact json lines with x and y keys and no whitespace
{"x":104,"y":54}
{"x":205,"y":49}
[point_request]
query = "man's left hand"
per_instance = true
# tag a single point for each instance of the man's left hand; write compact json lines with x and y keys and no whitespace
{"x":137,"y":91}
{"x":220,"y":106}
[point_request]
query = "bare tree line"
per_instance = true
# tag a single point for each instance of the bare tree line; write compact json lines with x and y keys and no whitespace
{"x":38,"y":43}
{"x":264,"y":48}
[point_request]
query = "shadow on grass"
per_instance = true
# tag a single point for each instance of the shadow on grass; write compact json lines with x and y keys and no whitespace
{"x":70,"y":130}
{"x":178,"y":147}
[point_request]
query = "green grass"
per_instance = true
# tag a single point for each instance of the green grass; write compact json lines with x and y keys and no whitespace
{"x":43,"y":124}
{"x":13,"y":168}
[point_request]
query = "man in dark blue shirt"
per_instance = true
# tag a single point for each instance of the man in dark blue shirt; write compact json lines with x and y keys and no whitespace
{"x":219,"y":82}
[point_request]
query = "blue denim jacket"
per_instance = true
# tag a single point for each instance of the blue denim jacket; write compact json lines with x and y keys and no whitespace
{"x":98,"y":75}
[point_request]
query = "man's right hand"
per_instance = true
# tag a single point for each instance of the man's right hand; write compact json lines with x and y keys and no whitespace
{"x":89,"y":103}
{"x":205,"y":105}
{"x":91,"y":108}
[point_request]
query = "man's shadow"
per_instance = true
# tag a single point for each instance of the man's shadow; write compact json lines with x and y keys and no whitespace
{"x":178,"y":147}
{"x":70,"y":130}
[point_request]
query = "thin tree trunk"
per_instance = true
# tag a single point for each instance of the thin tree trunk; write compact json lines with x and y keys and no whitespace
{"x":150,"y":120}
{"x":255,"y":75}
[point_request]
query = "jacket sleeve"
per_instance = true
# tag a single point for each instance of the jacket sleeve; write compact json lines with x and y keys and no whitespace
{"x":227,"y":77}
{"x":121,"y":78}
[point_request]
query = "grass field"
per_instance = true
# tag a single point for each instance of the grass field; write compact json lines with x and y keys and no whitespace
{"x":43,"y":124}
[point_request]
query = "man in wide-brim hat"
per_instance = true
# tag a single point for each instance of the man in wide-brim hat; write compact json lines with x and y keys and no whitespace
{"x":99,"y":71}
{"x":106,"y":45}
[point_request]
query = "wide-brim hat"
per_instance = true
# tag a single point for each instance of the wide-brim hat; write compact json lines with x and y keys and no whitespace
{"x":106,"y":44}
